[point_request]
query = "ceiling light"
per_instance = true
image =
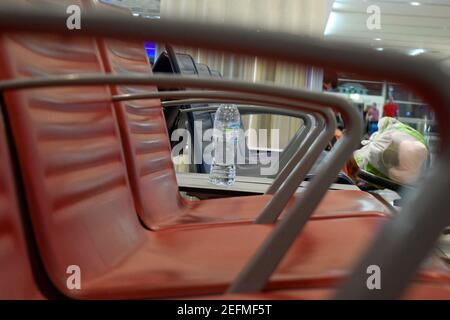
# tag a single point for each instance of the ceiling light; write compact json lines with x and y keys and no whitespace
{"x":355,"y":97}
{"x":416,"y":52}
{"x":336,"y":5}
{"x":379,"y":49}
{"x":415,"y":3}
{"x":331,"y":24}
{"x":377,"y":39}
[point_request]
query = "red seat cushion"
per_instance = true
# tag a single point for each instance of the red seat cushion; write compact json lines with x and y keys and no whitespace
{"x":175,"y":263}
{"x":335,"y":204}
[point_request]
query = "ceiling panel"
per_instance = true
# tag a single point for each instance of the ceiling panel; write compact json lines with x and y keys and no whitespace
{"x":404,"y":27}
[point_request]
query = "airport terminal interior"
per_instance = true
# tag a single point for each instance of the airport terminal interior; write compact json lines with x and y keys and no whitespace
{"x":224,"y":149}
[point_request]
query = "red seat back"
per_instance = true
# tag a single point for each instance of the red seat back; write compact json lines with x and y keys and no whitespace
{"x":144,"y":134}
{"x":16,"y":278}
{"x":70,"y":154}
{"x":145,"y":137}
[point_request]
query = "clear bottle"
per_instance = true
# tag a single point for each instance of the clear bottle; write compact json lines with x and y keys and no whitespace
{"x":227,"y":123}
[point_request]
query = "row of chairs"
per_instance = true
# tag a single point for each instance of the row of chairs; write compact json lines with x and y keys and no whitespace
{"x":184,"y":116}
{"x":90,"y":183}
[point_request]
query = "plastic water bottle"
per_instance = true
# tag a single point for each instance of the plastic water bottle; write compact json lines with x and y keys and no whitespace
{"x":227,"y":123}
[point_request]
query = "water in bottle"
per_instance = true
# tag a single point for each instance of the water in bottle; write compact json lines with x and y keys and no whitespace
{"x":227,"y":123}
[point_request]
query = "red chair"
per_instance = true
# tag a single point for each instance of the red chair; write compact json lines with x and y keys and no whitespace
{"x":148,"y":157}
{"x":82,"y":209}
{"x":81,"y":205}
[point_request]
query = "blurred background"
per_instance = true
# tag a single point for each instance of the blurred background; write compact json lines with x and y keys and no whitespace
{"x":414,"y":28}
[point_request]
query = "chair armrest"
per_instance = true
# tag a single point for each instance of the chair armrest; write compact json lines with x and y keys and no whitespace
{"x":382,"y":182}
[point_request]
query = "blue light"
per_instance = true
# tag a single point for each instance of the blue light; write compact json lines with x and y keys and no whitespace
{"x":150,"y":48}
